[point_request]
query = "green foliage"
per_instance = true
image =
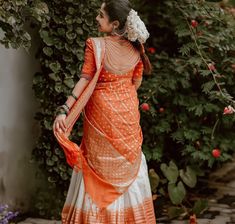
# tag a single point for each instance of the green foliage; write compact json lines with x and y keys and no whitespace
{"x":63,"y":34}
{"x":186,"y":97}
{"x":175,"y":186}
{"x":154,"y":180}
{"x":13,"y":17}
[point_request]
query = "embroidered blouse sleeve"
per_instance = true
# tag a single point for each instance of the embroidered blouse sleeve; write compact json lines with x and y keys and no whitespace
{"x":89,"y":66}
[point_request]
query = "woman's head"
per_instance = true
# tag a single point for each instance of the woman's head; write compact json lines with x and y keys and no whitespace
{"x":113,"y":15}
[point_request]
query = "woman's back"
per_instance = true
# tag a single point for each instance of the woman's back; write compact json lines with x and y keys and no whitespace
{"x":120,"y":55}
{"x":121,"y":61}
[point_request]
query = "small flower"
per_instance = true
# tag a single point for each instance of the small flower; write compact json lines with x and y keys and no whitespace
{"x":229,"y":110}
{"x":211,"y":67}
{"x":6,"y":215}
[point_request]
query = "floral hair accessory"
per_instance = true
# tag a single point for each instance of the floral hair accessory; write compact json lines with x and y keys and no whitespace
{"x":136,"y":29}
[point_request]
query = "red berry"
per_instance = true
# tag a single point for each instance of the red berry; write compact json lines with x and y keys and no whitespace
{"x":206,"y":23}
{"x":194,"y":23}
{"x":211,"y":67}
{"x":151,"y":50}
{"x":216,"y":153}
{"x":145,"y":107}
{"x":161,"y":109}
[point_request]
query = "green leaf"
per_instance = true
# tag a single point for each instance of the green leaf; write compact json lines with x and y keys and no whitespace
{"x":61,"y":31}
{"x":64,"y":176}
{"x":58,"y":87}
{"x":189,"y":177}
{"x":50,"y":162}
{"x":154,"y":180}
{"x":197,"y":109}
{"x":46,"y":38}
{"x":47,"y":124}
{"x":62,"y":168}
{"x":207,"y":87}
{"x":176,"y":193}
{"x":170,"y":172}
{"x":55,"y":66}
{"x":69,"y":83}
{"x":205,"y":72}
{"x":48,"y":153}
{"x":54,"y":158}
{"x":89,"y":21}
{"x":200,"y":206}
{"x":54,"y":77}
{"x":48,"y":51}
{"x":213,"y":0}
{"x":52,"y":179}
{"x":79,"y":31}
{"x":78,"y":20}
{"x":69,"y":19}
{"x":163,"y":126}
{"x":21,"y":2}
{"x":191,"y":134}
{"x":71,"y":35}
{"x":41,"y":8}
{"x":174,"y":212}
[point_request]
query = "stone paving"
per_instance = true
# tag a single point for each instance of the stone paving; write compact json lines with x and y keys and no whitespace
{"x":221,"y":203}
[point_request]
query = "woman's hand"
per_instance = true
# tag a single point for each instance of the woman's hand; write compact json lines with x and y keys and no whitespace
{"x":59,"y":123}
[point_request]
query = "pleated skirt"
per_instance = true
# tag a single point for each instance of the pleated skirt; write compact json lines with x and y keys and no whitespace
{"x":134,"y":206}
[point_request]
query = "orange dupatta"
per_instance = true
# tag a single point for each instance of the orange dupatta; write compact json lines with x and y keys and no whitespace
{"x":94,"y":185}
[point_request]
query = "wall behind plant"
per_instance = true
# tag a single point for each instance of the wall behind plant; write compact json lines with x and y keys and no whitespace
{"x":18,"y":129}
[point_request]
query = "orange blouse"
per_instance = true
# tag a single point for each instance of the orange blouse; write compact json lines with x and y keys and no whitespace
{"x":89,"y":66}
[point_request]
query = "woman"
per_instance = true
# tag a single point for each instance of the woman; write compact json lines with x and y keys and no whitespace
{"x":110,"y":180}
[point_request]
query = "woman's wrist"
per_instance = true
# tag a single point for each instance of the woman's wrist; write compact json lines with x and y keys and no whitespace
{"x":61,"y":110}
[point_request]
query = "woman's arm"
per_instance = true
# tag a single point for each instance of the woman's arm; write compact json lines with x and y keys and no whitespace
{"x":59,"y":122}
{"x":77,"y":90}
{"x":88,"y":71}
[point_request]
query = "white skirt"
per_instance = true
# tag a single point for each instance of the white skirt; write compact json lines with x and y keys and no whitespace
{"x":135,"y":206}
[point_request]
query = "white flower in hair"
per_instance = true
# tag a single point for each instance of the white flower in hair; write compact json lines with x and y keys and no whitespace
{"x":136,"y":29}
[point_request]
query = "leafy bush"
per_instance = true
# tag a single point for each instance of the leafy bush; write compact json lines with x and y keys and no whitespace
{"x":63,"y":35}
{"x":185,"y":130}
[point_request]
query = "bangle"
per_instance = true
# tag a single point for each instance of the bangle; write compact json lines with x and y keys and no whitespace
{"x":60,"y":110}
{"x":74,"y":96}
{"x":66,"y":105}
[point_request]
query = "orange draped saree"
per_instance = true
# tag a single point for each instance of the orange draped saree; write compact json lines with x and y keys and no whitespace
{"x":110,"y":180}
